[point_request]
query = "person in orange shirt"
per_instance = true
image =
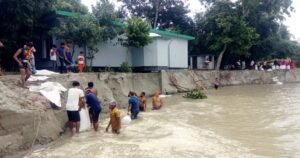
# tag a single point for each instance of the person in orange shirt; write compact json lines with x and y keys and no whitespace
{"x":81,"y":60}
{"x":115,"y":120}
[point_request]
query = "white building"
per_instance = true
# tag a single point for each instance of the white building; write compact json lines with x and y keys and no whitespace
{"x":167,"y":51}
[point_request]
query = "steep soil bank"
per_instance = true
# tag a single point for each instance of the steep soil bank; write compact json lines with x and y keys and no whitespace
{"x":181,"y":81}
{"x":27,"y":119}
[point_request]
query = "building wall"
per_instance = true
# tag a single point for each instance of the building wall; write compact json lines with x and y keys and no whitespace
{"x":137,"y":57}
{"x":162,"y":52}
{"x":111,"y":54}
{"x":178,"y":53}
{"x":150,"y":54}
{"x":156,"y":54}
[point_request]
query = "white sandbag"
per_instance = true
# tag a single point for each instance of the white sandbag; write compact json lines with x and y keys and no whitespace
{"x":53,"y":86}
{"x":45,"y":73}
{"x":164,"y":96}
{"x":37,"y":78}
{"x":85,"y":123}
{"x":50,"y":90}
{"x":34,"y":88}
{"x":126,"y":119}
{"x":53,"y":96}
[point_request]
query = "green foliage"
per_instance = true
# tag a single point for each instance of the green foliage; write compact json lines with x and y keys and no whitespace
{"x":124,"y":67}
{"x":82,"y":31}
{"x":21,"y":21}
{"x":108,"y":69}
{"x":136,"y":33}
{"x":105,"y":14}
{"x":195,"y":94}
{"x":160,"y":13}
{"x":70,"y":5}
{"x":222,"y":30}
{"x":221,"y":25}
{"x":250,"y":28}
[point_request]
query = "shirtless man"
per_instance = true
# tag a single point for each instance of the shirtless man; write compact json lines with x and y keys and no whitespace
{"x":143,"y":102}
{"x":22,"y":57}
{"x":157,"y":102}
{"x":91,"y":88}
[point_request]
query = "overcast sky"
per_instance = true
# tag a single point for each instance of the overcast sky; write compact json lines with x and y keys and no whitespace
{"x":195,"y":6}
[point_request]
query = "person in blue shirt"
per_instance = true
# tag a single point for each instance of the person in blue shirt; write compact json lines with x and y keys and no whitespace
{"x":133,"y":105}
{"x":60,"y":53}
{"x":94,"y":105}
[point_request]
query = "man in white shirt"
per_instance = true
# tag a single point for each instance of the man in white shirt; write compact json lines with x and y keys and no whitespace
{"x":74,"y":103}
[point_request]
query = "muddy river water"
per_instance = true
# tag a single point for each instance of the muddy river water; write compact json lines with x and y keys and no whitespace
{"x":246,"y":121}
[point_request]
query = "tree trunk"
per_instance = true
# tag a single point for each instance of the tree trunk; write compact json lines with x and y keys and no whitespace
{"x":220,"y":58}
{"x":91,"y":65}
{"x":156,"y":13}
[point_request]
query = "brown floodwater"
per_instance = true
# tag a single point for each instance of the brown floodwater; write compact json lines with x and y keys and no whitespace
{"x":245,"y":121}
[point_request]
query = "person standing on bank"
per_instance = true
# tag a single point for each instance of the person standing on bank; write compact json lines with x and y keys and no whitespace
{"x":75,"y":102}
{"x":22,"y":57}
{"x":68,"y":56}
{"x":94,"y":105}
{"x":61,"y":57}
{"x":133,"y":105}
{"x":80,"y":61}
{"x":53,"y":57}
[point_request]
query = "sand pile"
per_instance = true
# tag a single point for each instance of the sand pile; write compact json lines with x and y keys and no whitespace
{"x":25,"y":118}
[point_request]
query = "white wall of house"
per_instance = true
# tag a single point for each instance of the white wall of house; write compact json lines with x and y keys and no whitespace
{"x":178,"y":53}
{"x":162,"y":52}
{"x":111,"y":54}
{"x":137,"y":57}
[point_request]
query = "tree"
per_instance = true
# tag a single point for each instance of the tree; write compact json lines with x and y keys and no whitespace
{"x":264,"y":16}
{"x":70,"y":6}
{"x":160,"y":13}
{"x":267,"y":17}
{"x":87,"y":29}
{"x":136,"y":34}
{"x":105,"y":14}
{"x":22,"y":20}
{"x":223,"y":30}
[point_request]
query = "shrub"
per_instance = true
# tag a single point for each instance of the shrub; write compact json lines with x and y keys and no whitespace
{"x":125,"y":67}
{"x":195,"y":94}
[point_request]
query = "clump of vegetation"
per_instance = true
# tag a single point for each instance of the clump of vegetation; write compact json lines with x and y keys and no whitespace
{"x":108,"y":69}
{"x":125,"y":67}
{"x":195,"y":94}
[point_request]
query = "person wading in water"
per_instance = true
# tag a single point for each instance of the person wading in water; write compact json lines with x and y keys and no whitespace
{"x":157,"y":102}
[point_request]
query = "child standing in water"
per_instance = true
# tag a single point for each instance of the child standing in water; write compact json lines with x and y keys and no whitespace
{"x":115,"y":120}
{"x":81,"y":60}
{"x":143,"y":102}
{"x":157,"y":102}
{"x":216,"y":84}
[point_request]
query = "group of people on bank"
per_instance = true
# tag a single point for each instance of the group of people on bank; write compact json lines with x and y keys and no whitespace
{"x":275,"y":64}
{"x":25,"y":59}
{"x":65,"y":58}
{"x":79,"y":101}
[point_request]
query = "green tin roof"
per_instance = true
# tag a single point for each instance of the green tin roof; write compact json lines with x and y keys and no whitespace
{"x":65,"y":13}
{"x":120,"y":24}
{"x":172,"y":34}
